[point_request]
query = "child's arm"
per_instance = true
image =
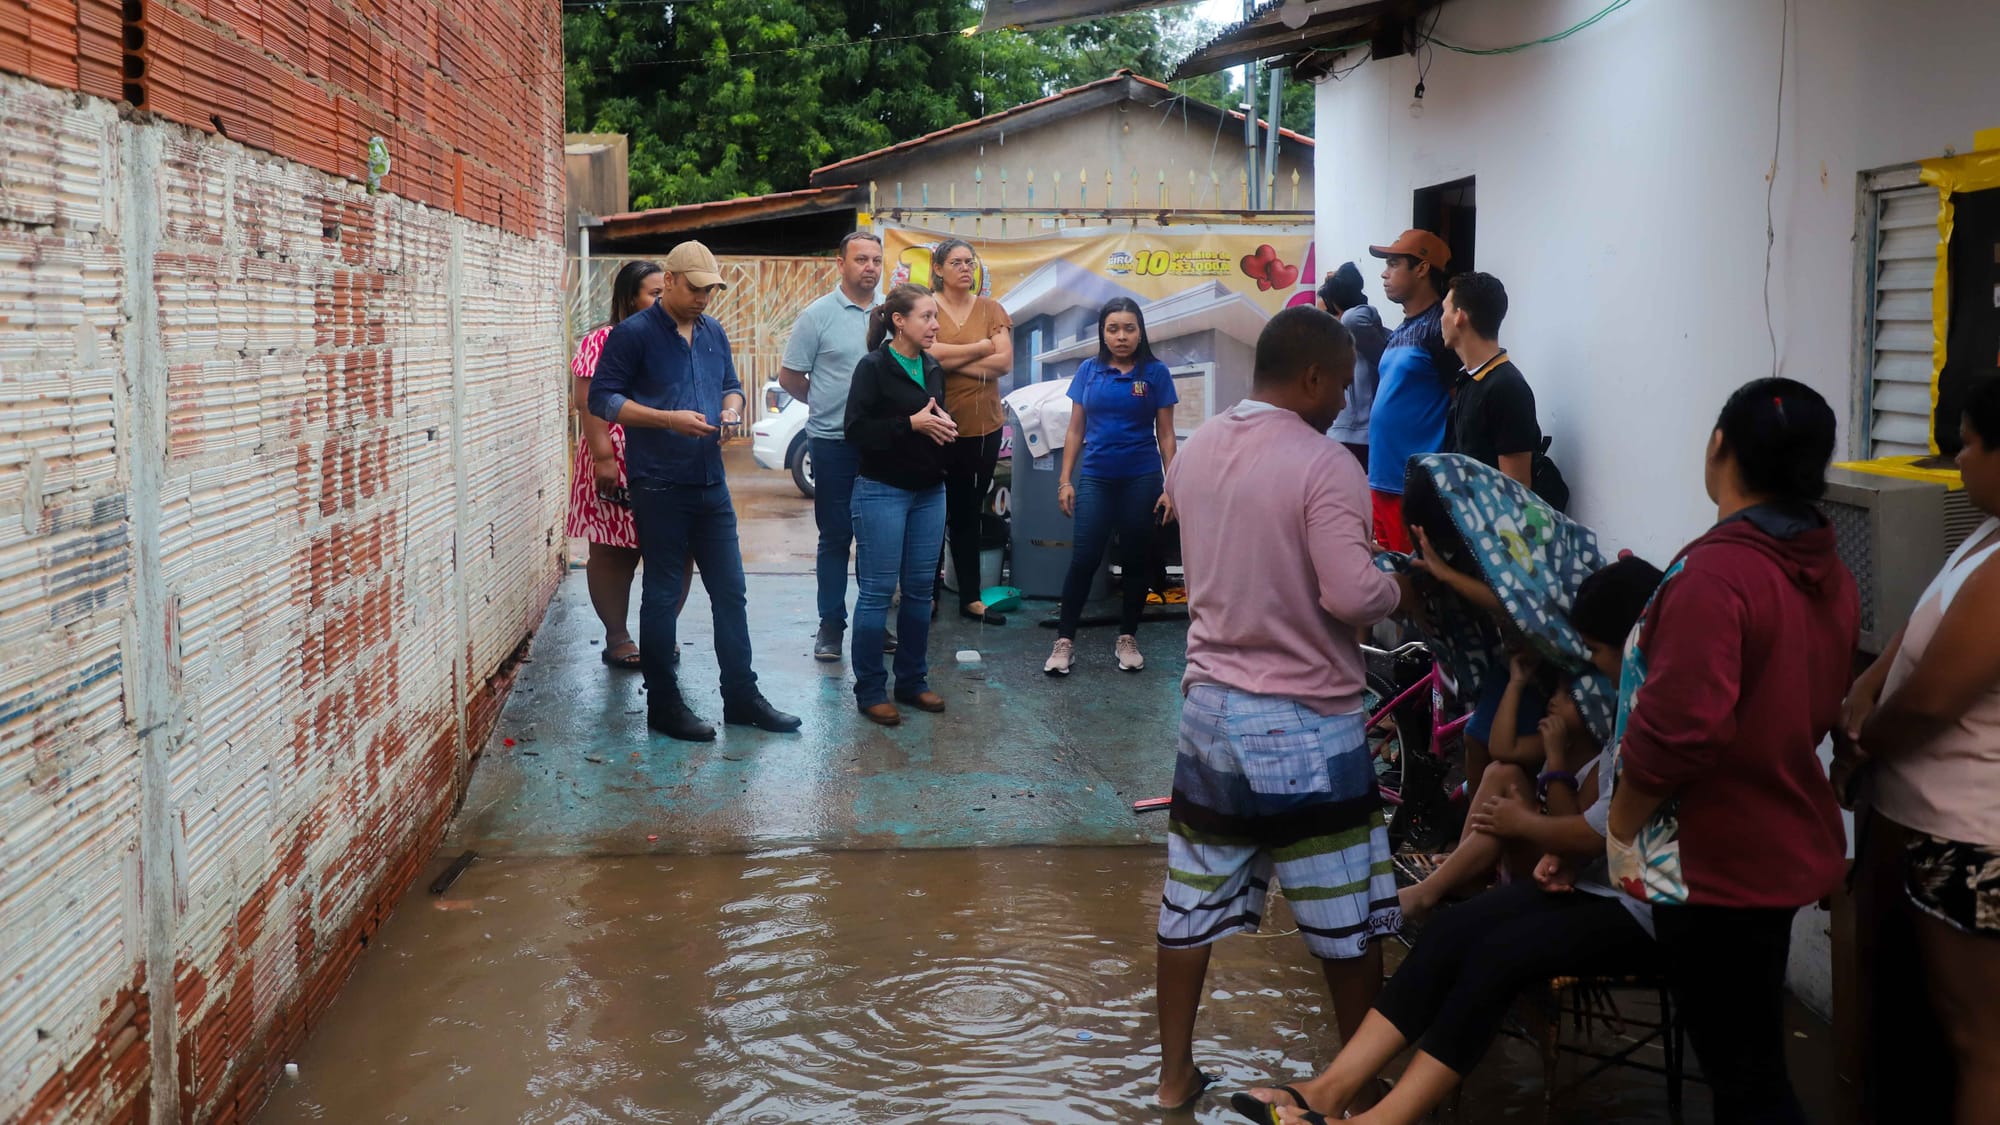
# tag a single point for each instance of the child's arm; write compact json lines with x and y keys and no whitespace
{"x":1457,"y":581}
{"x":1569,"y":835}
{"x":1505,"y":743}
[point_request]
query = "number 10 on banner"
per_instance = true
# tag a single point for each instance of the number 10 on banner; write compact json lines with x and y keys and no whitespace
{"x":1154,"y":263}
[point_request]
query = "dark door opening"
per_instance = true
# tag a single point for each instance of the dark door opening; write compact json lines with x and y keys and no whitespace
{"x":1972,"y":343}
{"x":1450,"y":212}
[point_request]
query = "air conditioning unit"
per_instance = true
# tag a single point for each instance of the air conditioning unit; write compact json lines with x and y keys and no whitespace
{"x":1894,"y":533}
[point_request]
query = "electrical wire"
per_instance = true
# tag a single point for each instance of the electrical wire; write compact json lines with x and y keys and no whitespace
{"x":803,"y":48}
{"x":1519,"y":47}
{"x":1771,"y":181}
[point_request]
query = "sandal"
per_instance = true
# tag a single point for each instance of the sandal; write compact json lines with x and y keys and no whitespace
{"x":628,"y":662}
{"x":1264,"y":1113}
{"x":1203,"y":1080}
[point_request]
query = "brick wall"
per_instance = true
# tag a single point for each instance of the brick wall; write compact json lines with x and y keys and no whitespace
{"x":468,"y":98}
{"x":282,"y":467}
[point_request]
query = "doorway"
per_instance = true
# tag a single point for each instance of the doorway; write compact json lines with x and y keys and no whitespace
{"x":1972,"y":345}
{"x":1449,"y":211}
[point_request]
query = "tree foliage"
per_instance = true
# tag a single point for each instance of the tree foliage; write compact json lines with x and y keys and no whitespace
{"x":723,"y":98}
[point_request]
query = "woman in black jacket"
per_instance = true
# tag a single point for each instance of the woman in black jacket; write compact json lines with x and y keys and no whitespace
{"x":896,"y":416}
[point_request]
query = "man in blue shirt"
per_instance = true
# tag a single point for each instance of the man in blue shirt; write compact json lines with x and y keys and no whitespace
{"x":827,"y":343}
{"x":666,"y":375}
{"x":1413,"y":384}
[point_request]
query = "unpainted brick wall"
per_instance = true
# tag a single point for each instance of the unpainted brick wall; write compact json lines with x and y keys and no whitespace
{"x":359,"y":471}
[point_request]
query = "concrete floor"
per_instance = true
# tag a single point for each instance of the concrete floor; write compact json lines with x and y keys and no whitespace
{"x":770,"y":928}
{"x":1018,"y":759}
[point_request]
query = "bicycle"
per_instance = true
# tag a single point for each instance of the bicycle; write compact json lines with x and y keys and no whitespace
{"x":1411,"y":746}
{"x":1405,"y":699}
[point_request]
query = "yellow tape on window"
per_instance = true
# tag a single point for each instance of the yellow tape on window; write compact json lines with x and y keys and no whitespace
{"x":1975,"y":171}
{"x":1907,"y":468}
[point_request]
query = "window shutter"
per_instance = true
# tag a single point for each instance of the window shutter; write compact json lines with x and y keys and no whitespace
{"x":1899,"y":345}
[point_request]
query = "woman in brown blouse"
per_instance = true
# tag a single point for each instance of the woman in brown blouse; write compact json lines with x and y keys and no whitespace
{"x":975,"y":345}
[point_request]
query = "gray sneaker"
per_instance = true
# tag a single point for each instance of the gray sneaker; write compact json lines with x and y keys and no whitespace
{"x":826,"y":646}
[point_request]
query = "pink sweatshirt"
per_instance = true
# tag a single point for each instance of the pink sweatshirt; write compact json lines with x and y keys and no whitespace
{"x":1275,"y":538}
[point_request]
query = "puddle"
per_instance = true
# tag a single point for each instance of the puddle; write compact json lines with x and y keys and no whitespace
{"x":1003,"y":985}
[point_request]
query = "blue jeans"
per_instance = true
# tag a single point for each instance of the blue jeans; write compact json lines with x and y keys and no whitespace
{"x":835,"y":463}
{"x":1105,"y":505}
{"x":897,"y":537}
{"x":677,"y":522}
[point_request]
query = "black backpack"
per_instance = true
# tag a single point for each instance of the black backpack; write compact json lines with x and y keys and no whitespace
{"x":1547,"y":480}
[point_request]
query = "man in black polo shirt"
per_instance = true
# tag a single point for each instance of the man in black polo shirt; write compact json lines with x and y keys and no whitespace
{"x":1493,"y":412}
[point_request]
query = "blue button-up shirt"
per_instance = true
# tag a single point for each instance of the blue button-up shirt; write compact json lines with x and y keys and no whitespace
{"x":646,"y":361}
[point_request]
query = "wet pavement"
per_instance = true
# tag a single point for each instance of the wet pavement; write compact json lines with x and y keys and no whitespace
{"x":834,"y":926}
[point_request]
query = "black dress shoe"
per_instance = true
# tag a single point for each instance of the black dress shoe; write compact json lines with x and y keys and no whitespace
{"x":756,"y":711}
{"x":671,"y":717}
{"x":826,"y":646}
{"x":888,"y":641}
{"x":987,"y":618}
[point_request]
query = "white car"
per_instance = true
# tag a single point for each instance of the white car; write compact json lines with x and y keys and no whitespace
{"x":778,"y":440}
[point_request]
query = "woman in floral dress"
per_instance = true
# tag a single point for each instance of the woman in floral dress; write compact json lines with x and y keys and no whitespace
{"x":599,"y":509}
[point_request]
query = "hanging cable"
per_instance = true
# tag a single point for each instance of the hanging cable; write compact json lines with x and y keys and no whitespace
{"x":1771,"y":181}
{"x":1519,"y":47}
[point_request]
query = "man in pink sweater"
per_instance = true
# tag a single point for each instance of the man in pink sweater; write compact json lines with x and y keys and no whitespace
{"x":1273,"y":773}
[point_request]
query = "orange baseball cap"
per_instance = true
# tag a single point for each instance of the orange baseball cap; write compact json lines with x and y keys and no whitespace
{"x":1419,"y":244}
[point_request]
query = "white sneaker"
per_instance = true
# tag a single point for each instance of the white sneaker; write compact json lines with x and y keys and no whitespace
{"x":1062,"y":658}
{"x":1129,"y":659}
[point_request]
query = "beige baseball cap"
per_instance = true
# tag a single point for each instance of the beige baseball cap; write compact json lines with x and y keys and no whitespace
{"x":693,"y":261}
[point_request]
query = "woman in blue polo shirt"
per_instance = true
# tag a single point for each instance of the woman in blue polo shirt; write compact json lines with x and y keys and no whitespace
{"x":1121,"y":433}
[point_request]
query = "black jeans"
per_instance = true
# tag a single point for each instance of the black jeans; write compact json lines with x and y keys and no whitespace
{"x":968,"y":475}
{"x":1454,"y":988}
{"x":1727,"y":968}
{"x":1105,"y":505}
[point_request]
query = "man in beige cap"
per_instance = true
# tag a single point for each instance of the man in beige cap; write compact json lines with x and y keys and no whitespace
{"x":666,"y":375}
{"x":1413,"y":377}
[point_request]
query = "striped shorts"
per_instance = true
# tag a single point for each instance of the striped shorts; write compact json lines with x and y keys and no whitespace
{"x":1266,"y":786}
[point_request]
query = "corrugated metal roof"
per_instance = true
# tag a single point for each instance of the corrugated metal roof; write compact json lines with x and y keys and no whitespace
{"x":1123,"y":81}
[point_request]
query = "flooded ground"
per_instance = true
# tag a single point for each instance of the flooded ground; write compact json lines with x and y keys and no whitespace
{"x":988,"y":986}
{"x":846,"y":925}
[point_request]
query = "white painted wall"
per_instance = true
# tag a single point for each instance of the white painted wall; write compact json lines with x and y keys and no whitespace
{"x":1622,"y":199}
{"x":1621,"y":194}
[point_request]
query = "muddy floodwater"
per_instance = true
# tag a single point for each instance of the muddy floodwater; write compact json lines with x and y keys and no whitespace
{"x":998,"y":985}
{"x":879,"y":927}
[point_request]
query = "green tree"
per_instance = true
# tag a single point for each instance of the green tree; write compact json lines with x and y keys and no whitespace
{"x":723,"y":98}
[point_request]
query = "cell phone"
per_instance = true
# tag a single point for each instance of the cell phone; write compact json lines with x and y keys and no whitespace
{"x":621,"y":496}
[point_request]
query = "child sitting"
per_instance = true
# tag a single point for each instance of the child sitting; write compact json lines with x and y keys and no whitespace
{"x":1505,"y":830}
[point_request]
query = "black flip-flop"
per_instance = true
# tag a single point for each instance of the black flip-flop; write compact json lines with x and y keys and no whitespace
{"x":629,"y":662}
{"x":1264,"y":1113}
{"x":1200,"y":1088}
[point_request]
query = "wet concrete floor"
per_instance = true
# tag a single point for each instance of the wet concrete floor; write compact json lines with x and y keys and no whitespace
{"x":845,"y":925}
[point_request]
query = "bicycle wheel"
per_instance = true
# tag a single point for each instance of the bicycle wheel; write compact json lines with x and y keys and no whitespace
{"x":1385,"y":739}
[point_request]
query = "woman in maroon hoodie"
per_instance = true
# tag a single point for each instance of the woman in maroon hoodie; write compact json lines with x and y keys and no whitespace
{"x":1722,"y":816}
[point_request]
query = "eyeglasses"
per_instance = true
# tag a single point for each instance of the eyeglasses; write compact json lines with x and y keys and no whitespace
{"x":959,"y":264}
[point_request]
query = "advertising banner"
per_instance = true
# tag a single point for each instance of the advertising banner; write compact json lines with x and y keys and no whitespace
{"x":1205,"y":294}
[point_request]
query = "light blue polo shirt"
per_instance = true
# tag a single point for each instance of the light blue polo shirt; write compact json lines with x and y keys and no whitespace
{"x":827,"y":343}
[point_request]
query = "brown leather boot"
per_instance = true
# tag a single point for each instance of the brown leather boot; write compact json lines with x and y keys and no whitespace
{"x":882,"y":714}
{"x":924,"y":701}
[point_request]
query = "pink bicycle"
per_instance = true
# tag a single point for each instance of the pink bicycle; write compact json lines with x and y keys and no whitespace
{"x":1418,"y":775}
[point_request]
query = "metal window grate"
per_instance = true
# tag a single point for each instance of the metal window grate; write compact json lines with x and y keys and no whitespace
{"x":1898,"y":352}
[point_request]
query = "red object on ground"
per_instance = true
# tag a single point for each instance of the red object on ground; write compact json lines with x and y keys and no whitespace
{"x":1152,"y":804}
{"x":507,"y":742}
